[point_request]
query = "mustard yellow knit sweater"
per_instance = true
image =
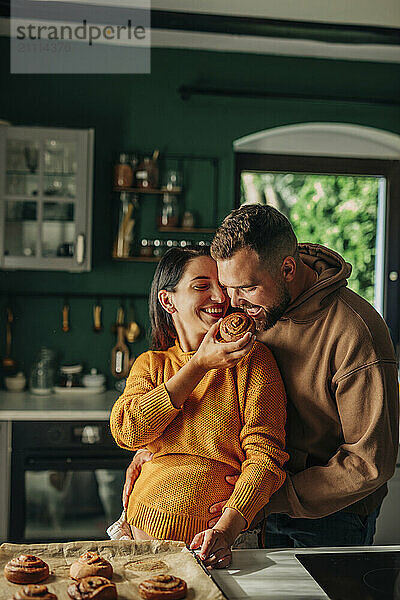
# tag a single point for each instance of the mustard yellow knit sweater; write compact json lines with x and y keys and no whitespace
{"x":232,"y":422}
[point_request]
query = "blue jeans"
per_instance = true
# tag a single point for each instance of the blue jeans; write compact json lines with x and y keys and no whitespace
{"x":339,"y":529}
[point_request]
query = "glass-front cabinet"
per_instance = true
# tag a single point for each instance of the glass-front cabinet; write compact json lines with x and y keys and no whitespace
{"x":46,"y":198}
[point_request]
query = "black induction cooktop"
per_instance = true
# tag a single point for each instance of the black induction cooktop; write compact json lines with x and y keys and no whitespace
{"x":355,"y":575}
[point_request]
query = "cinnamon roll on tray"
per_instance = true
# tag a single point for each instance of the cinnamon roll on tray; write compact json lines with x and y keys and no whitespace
{"x":34,"y":592}
{"x":90,"y":564}
{"x":26,"y":568}
{"x":92,"y":588}
{"x":163,"y":587}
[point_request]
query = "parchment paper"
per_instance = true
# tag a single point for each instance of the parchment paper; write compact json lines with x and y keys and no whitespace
{"x":170,"y":557}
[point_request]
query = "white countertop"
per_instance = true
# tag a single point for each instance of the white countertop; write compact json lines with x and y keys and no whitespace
{"x":275,"y":574}
{"x":24,"y":406}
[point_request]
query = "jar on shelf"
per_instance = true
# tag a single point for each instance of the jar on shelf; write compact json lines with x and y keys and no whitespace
{"x":160,"y":247}
{"x":172,"y":181}
{"x":134,"y":161}
{"x":146,"y":175}
{"x":169,"y":211}
{"x":123,"y":172}
{"x":146,"y":247}
{"x":171,"y":244}
{"x":127,"y":224}
{"x":188,"y":220}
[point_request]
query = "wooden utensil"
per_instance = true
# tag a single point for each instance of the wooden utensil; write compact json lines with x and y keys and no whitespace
{"x":132,"y":330}
{"x":65,"y":318}
{"x":9,"y":364}
{"x":97,"y":324}
{"x":120,"y":363}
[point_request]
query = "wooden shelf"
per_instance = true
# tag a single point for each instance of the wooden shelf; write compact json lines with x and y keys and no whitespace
{"x":147,"y":190}
{"x":137,"y":258}
{"x":188,"y":229}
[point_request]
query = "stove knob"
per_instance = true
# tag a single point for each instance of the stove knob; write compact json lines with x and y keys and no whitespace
{"x":90,"y":434}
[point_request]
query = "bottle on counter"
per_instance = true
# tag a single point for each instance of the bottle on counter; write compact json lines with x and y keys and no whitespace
{"x":41,"y":381}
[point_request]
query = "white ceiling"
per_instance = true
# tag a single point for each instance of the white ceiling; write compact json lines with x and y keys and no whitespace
{"x":385,"y":13}
{"x":379,"y":13}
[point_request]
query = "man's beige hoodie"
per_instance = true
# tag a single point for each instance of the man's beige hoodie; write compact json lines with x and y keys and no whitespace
{"x":339,"y":369}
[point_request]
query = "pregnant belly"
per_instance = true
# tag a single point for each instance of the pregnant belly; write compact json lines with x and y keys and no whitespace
{"x":181,"y":484}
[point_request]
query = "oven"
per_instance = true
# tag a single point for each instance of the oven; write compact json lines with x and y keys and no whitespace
{"x":66,"y":480}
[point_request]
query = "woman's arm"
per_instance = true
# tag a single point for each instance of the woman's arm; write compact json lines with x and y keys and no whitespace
{"x":215,"y":544}
{"x":145,"y":409}
{"x":263,"y":404}
{"x":210,"y":355}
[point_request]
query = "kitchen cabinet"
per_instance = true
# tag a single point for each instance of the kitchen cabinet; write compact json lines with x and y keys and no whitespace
{"x":50,"y":452}
{"x":45,"y":198}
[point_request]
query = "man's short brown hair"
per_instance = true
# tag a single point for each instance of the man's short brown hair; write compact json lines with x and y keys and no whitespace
{"x":259,"y":227}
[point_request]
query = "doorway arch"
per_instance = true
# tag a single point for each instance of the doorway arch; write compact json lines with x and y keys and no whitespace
{"x":323,"y":139}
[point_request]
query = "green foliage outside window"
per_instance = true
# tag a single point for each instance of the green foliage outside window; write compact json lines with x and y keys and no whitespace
{"x":337,"y":211}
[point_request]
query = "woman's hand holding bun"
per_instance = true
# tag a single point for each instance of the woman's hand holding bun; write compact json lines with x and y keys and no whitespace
{"x":213,"y":355}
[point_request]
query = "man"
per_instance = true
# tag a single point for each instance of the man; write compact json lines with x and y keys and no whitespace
{"x":339,"y":369}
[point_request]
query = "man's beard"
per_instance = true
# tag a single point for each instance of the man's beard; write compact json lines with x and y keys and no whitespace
{"x":275,"y":313}
{"x":272,"y":315}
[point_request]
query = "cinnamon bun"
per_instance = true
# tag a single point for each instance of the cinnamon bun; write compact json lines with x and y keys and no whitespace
{"x":90,"y":564}
{"x":92,"y":588}
{"x":163,"y":587}
{"x":234,"y":326}
{"x":34,"y":592}
{"x":26,"y":568}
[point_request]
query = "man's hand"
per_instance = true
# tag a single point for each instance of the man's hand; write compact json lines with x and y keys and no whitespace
{"x":215,"y":549}
{"x":216,"y":509}
{"x":132,"y":473}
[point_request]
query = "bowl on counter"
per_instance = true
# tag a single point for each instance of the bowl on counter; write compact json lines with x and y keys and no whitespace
{"x":16,"y":383}
{"x":94,"y":379}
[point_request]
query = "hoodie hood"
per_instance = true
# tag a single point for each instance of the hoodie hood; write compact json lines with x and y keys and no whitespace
{"x":333,"y":272}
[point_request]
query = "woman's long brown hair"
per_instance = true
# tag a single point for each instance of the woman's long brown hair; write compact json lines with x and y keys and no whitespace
{"x":168,"y":274}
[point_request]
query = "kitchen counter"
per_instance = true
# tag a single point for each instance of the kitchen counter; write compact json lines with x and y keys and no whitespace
{"x":24,"y":406}
{"x":275,"y":574}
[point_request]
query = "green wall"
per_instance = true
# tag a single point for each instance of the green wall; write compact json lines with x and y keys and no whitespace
{"x":143,"y":112}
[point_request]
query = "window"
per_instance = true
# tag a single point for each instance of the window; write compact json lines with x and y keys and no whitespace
{"x":346,"y":204}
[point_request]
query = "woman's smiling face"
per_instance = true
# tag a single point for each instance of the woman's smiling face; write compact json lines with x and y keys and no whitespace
{"x":197,"y":302}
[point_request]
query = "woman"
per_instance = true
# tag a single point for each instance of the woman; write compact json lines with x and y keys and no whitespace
{"x":202,"y":408}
